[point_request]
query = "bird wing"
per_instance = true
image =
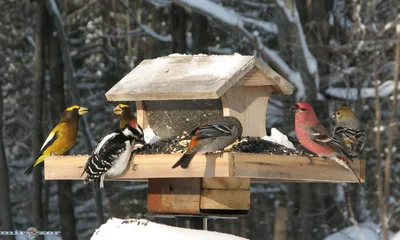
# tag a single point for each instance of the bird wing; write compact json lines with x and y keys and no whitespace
{"x":107,"y":151}
{"x":357,"y":137}
{"x":212,"y":131}
{"x":51,"y":138}
{"x":321,"y":136}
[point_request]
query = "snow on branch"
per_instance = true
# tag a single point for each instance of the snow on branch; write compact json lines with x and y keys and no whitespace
{"x":310,"y":59}
{"x":234,"y":21}
{"x":152,"y":33}
{"x":266,"y":26}
{"x":122,"y":229}
{"x":226,"y":16}
{"x":385,"y":90}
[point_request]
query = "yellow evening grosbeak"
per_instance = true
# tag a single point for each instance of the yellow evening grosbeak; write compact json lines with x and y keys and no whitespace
{"x":349,"y":128}
{"x":62,"y":137}
{"x":124,"y":114}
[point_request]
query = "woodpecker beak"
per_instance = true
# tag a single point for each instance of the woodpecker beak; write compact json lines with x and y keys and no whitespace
{"x":82,"y":111}
{"x":294,"y":108}
{"x":118,"y":110}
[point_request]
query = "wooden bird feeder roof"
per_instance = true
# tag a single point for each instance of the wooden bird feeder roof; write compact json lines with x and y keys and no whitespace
{"x":178,"y":77}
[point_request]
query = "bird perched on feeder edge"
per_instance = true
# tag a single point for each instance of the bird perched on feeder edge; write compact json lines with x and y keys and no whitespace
{"x":210,"y":138}
{"x":349,"y":128}
{"x":125,"y":115}
{"x":112,"y":155}
{"x":314,"y":137}
{"x":62,"y":137}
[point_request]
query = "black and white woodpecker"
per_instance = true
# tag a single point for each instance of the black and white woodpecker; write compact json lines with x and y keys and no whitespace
{"x":112,"y":155}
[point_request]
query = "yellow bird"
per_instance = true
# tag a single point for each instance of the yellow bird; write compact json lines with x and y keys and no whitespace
{"x":62,"y":137}
{"x":124,"y":114}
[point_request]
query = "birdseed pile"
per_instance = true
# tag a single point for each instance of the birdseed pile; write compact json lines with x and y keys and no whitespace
{"x":178,"y":144}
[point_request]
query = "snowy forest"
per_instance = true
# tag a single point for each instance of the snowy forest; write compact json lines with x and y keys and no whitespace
{"x":60,"y":53}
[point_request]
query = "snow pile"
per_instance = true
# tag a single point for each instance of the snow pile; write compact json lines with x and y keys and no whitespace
{"x":366,"y":231}
{"x":149,"y":136}
{"x":279,"y":138}
{"x":122,"y":229}
{"x":396,"y":236}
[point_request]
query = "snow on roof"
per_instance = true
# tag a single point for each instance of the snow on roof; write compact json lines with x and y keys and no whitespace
{"x":191,"y":77}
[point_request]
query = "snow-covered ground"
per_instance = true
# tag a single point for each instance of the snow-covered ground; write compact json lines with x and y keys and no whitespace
{"x":122,"y":229}
{"x":363,"y":231}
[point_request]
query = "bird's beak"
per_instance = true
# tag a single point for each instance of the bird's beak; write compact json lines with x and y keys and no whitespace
{"x":82,"y":111}
{"x":294,"y":108}
{"x":117,"y":110}
{"x":334,"y":115}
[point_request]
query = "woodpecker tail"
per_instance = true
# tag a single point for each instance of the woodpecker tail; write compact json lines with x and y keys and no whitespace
{"x":34,"y":164}
{"x":184,"y":161}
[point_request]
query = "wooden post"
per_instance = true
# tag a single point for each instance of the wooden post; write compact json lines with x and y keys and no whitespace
{"x":190,"y":222}
{"x":280,"y":223}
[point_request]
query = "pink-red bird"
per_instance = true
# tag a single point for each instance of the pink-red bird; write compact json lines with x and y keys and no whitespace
{"x":314,"y":137}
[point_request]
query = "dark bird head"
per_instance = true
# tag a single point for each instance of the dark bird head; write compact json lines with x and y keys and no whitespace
{"x":132,"y":130}
{"x":301,"y":107}
{"x":120,"y":109}
{"x":73,"y":112}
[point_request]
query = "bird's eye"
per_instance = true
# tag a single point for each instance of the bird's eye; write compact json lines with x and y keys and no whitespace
{"x":303,"y":109}
{"x":338,"y":113}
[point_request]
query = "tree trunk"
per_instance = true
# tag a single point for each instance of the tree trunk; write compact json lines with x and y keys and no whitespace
{"x":5,"y":205}
{"x":178,"y":29}
{"x":65,"y":197}
{"x":66,"y":188}
{"x":199,"y":33}
{"x":37,"y":137}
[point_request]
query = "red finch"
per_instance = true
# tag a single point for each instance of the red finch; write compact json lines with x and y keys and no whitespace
{"x":349,"y":128}
{"x":314,"y":137}
{"x":210,"y":138}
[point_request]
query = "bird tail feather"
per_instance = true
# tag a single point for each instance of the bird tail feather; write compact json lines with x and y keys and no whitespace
{"x":184,"y":161}
{"x":34,"y":164}
{"x":347,"y":166}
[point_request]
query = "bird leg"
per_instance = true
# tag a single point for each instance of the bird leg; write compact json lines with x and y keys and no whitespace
{"x":221,"y":153}
{"x":302,"y":153}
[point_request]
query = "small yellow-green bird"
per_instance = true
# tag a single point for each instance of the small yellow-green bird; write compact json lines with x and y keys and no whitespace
{"x":62,"y":137}
{"x":124,"y":114}
{"x":349,"y":128}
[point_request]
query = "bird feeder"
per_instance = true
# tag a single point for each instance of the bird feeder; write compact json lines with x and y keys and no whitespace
{"x":176,"y":93}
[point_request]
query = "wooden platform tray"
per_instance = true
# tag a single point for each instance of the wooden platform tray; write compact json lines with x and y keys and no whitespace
{"x":258,"y":167}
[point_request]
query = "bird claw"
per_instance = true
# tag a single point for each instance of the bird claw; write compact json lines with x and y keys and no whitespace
{"x":134,"y":167}
{"x":221,"y":154}
{"x":302,"y":153}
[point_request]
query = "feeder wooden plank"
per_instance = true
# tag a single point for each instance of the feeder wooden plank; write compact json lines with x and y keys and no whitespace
{"x":254,"y":78}
{"x":225,"y":199}
{"x":226,"y":183}
{"x":294,"y":168}
{"x":147,"y":166}
{"x":258,"y":167}
{"x":166,"y":195}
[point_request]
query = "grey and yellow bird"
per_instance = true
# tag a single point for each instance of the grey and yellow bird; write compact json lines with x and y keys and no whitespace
{"x":349,"y":128}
